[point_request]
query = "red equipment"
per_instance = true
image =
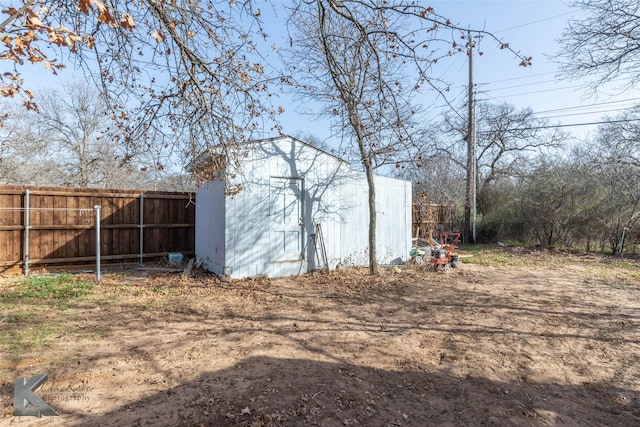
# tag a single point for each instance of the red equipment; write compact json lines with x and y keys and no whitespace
{"x":443,"y":259}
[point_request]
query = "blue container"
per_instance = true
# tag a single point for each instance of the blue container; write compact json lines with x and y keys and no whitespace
{"x":175,"y":258}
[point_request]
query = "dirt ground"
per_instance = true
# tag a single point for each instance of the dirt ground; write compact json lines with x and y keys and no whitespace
{"x":516,"y":338}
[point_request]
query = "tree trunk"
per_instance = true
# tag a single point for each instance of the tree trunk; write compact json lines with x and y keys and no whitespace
{"x":373,"y":263}
{"x":368,"y":169}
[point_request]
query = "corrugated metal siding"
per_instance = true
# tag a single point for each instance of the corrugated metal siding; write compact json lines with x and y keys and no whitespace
{"x":210,"y":226}
{"x":393,"y":227}
{"x":332,"y":194}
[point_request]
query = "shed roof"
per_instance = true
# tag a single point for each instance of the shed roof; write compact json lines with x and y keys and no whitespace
{"x":276,"y":138}
{"x":201,"y":158}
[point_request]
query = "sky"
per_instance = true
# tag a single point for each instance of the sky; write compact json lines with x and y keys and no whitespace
{"x":531,"y":27}
{"x":534,"y":28}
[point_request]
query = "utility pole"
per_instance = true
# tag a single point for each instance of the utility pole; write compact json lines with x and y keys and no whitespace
{"x":470,"y":202}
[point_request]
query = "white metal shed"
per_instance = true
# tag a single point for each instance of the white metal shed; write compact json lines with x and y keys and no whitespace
{"x":269,"y":227}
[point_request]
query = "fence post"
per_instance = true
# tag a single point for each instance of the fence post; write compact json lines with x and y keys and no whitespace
{"x":26,"y":232}
{"x":142,"y":229}
{"x":97,"y":208}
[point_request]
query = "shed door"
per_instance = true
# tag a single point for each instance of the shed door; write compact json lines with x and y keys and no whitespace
{"x":286,"y":221}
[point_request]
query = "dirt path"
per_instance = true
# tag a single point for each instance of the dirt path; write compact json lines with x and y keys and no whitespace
{"x":541,"y":339}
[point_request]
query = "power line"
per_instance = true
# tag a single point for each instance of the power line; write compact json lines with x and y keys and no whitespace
{"x":577,"y":110}
{"x":622,"y":79}
{"x":451,"y":64}
{"x":500,"y":98}
{"x":522,"y":77}
{"x":626,"y":104}
{"x":588,"y":106}
{"x":516,"y":86}
{"x":572,"y":114}
{"x":582,"y":113}
{"x":604,"y":122}
{"x":535,"y":22}
{"x":537,"y":91}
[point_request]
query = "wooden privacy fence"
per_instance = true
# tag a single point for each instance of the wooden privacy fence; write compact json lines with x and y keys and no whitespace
{"x":56,"y":227}
{"x":429,"y":219}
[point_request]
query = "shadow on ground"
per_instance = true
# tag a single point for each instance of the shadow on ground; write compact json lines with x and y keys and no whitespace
{"x":277,"y":392}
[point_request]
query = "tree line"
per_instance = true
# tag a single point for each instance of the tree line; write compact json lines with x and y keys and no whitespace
{"x":537,"y":185}
{"x":66,"y":143}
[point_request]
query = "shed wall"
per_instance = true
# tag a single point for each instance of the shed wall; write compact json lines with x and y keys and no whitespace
{"x":393,"y":220}
{"x":393,"y":228}
{"x":276,"y":174}
{"x":210,"y":226}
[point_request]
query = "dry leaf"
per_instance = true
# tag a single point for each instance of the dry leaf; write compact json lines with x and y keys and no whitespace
{"x":127,"y":22}
{"x":84,"y":6}
{"x":158,"y":36}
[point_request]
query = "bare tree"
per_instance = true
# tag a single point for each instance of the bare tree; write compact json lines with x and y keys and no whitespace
{"x":72,"y":121}
{"x":603,"y":44}
{"x":347,"y":54}
{"x":618,"y":161}
{"x":587,"y":196}
{"x":365,"y":60}
{"x":63,"y":144}
{"x":547,"y":195}
{"x":174,"y":67}
{"x":438,"y":178}
{"x":583,"y":197}
{"x":314,"y":140}
{"x":507,"y":139}
{"x":619,"y":140}
{"x":24,"y":153}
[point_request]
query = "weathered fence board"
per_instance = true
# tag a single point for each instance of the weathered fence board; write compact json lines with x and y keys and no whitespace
{"x":429,"y":219}
{"x":134,"y":226}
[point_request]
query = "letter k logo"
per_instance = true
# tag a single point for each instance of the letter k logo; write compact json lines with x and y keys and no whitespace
{"x":24,"y":395}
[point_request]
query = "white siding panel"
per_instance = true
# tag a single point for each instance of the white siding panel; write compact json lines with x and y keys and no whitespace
{"x":248,"y":231}
{"x":210,"y":226}
{"x":393,"y":225}
{"x":354,"y":215}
